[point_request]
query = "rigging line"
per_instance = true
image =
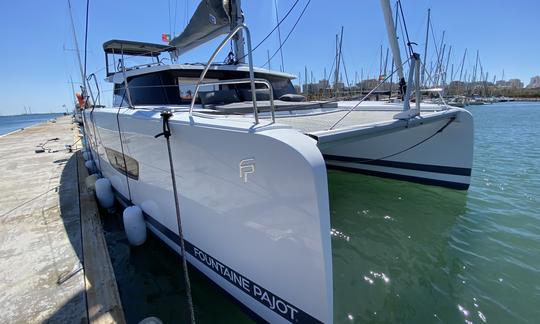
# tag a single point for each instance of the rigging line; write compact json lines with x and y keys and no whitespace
{"x":332,"y":68}
{"x":336,"y":99}
{"x":345,"y":69}
{"x":86,"y":37}
{"x":409,"y":44}
{"x":170,"y":26}
{"x":367,"y":95}
{"x":166,"y":115}
{"x":122,"y":145}
{"x":273,"y":30}
{"x":279,"y":37}
{"x":431,"y":78}
{"x":413,"y":146}
{"x":290,"y":32}
{"x":186,"y":14}
{"x":175,"y":13}
{"x":27,"y":202}
{"x":434,"y":40}
{"x":86,"y":83}
{"x":93,"y":120}
{"x":403,"y":37}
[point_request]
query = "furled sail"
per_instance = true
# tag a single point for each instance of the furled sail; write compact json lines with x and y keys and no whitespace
{"x":211,"y":19}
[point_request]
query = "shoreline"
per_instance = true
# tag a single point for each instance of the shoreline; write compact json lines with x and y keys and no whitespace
{"x":23,"y":128}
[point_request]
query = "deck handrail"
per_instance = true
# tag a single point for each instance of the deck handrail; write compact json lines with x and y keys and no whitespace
{"x":248,"y":80}
{"x":97,"y":99}
{"x":251,"y":73}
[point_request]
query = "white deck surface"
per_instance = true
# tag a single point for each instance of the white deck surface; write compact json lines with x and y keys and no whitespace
{"x":366,"y":113}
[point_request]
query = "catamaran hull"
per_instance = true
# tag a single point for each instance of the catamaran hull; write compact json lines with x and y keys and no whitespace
{"x":436,"y":149}
{"x":253,"y":202}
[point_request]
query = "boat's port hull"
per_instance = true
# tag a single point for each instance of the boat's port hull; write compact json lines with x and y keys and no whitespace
{"x":436,"y":149}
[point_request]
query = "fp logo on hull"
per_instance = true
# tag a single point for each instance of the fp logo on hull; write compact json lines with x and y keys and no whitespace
{"x":246,"y":166}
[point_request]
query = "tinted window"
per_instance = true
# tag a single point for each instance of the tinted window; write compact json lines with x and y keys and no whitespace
{"x":177,"y":87}
{"x":155,"y":88}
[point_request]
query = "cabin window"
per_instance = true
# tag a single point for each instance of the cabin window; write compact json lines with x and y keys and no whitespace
{"x":176,"y":87}
{"x":187,"y":86}
{"x":123,"y":163}
{"x":281,"y":86}
{"x":154,"y":88}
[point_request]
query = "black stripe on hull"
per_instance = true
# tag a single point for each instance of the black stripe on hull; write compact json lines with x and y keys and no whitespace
{"x":420,"y":180}
{"x":401,"y":165}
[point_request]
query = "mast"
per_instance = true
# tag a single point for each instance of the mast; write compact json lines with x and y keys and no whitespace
{"x":392,"y":38}
{"x":447,"y":63}
{"x":306,"y":80}
{"x":339,"y":43}
{"x":268,"y":56}
{"x":440,"y":55}
{"x":380,"y":63}
{"x":336,"y":71}
{"x":475,"y":66}
{"x":325,"y":83}
{"x":386,"y":62}
{"x":237,"y":19}
{"x":462,"y":64}
{"x":426,"y":45}
{"x":451,"y":75}
{"x":73,"y":91}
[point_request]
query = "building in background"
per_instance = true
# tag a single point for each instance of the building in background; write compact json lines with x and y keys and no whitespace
{"x":535,"y":82}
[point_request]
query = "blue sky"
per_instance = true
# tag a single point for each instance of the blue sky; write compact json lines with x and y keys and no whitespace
{"x":37,"y":57}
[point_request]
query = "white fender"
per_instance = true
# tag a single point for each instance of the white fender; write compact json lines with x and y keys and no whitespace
{"x":134,"y":225}
{"x":86,"y":155}
{"x":90,"y":182}
{"x":151,"y":320}
{"x":91,"y":166}
{"x":104,"y":193}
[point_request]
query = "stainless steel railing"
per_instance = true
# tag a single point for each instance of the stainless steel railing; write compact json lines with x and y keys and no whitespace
{"x":95,"y":100}
{"x":242,"y":81}
{"x":250,"y":80}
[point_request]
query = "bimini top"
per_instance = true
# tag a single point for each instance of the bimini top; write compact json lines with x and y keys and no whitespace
{"x":126,"y":47}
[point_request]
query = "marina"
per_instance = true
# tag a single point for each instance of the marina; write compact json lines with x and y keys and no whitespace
{"x":475,"y":273}
{"x":186,"y":181}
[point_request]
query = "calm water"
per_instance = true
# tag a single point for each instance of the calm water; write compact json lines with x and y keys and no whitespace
{"x":402,"y":252}
{"x":9,"y":124}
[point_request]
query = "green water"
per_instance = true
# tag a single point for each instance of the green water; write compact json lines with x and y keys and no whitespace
{"x":417,"y":254}
{"x":401,"y":252}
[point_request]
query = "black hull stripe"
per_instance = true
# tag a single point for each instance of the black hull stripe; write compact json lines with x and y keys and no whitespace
{"x":300,"y":315}
{"x":426,"y":181}
{"x":402,"y":165}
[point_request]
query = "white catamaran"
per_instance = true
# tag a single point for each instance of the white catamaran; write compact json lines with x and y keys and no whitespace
{"x":250,"y":160}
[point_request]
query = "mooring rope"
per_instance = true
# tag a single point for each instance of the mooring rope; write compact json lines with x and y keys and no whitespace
{"x":166,"y":115}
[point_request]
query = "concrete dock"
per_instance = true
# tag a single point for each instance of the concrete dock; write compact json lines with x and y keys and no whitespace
{"x":47,"y":274}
